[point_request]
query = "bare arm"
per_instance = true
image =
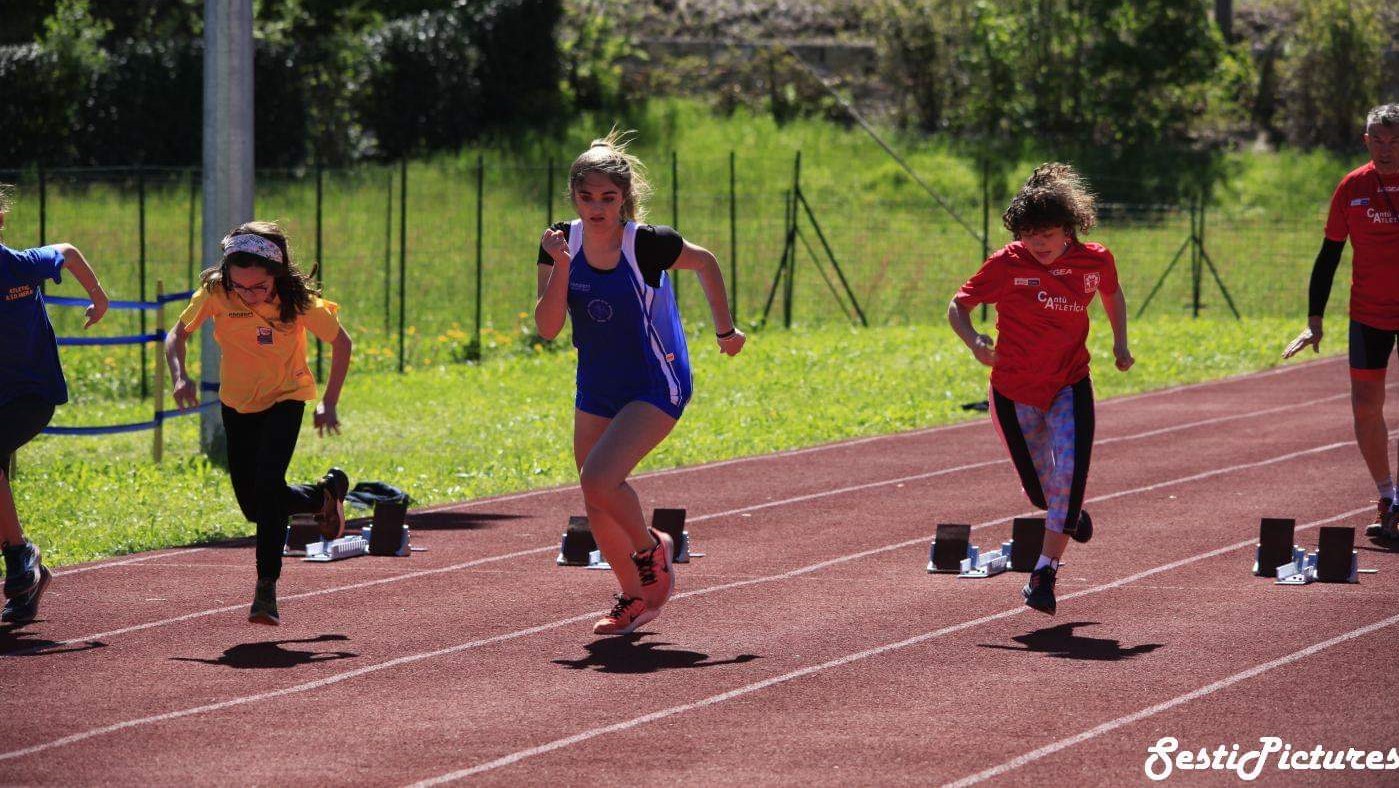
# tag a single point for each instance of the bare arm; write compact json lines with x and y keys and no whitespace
{"x":982,"y":345}
{"x":706,"y":266}
{"x":78,"y":266}
{"x":325,"y":417}
{"x":1116,"y":307}
{"x":186,"y":396}
{"x":552,"y":286}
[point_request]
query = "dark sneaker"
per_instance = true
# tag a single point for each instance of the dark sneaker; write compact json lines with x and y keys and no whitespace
{"x":335,"y":485}
{"x":1084,"y":530}
{"x":23,"y":608}
{"x":22,"y":567}
{"x":264,"y":609}
{"x":1039,"y":592}
{"x":1388,"y":526}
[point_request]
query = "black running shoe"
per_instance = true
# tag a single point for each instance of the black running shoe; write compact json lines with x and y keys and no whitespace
{"x":23,"y":608}
{"x":1084,"y":530}
{"x":1388,"y":526}
{"x":22,"y":567}
{"x":1039,"y":592}
{"x":335,"y":485}
{"x":264,"y":609}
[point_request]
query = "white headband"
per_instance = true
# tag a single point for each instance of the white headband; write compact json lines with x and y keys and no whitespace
{"x":253,"y":244}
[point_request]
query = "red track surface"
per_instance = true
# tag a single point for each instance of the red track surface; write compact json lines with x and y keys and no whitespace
{"x":809,"y":646}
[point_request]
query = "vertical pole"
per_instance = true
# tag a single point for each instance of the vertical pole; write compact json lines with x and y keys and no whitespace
{"x":985,"y":216}
{"x":388,"y":255}
{"x":549,"y":194}
{"x":228,"y":166}
{"x":158,"y":448}
{"x":733,"y":238}
{"x":189,"y":268}
{"x":320,"y":264}
{"x":43,"y":206}
{"x":141,"y":265}
{"x":480,"y":228}
{"x":1194,"y":256}
{"x":792,"y":233}
{"x":675,"y":212}
{"x":402,"y":258}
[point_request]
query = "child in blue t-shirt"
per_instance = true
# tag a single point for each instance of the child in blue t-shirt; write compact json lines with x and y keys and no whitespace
{"x":31,"y":385}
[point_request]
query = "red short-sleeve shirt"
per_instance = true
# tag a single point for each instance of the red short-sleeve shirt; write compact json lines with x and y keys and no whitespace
{"x":1041,"y":316}
{"x":1365,"y":209}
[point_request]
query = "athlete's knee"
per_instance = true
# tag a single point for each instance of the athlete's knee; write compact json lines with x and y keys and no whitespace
{"x":599,"y":485}
{"x":1367,"y":402}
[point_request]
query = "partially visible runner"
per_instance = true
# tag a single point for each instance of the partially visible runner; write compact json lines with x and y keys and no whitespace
{"x":31,"y":386}
{"x":1365,"y":209}
{"x":1041,"y":395}
{"x":610,"y":274}
{"x":262,"y":305}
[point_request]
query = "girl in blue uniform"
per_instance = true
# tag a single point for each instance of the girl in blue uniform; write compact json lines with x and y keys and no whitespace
{"x":610,"y":274}
{"x":31,"y":386}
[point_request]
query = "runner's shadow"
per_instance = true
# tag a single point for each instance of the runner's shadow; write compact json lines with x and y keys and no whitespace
{"x":1061,"y":642}
{"x":270,"y":654}
{"x":626,"y":654}
{"x":16,"y":643}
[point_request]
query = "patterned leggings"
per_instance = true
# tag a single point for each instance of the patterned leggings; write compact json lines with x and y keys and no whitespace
{"x":1050,"y":449}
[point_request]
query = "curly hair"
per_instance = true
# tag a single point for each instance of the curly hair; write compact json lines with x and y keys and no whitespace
{"x":609,"y":156}
{"x":294,"y":288}
{"x":1054,"y":196}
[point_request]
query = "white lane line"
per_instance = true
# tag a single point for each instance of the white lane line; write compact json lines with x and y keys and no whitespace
{"x":1151,"y":711}
{"x":334,"y":679}
{"x":747,"y":689}
{"x":755,"y":507}
{"x":140,"y":559}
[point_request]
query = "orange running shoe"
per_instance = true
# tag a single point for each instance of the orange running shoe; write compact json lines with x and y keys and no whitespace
{"x":623,"y":618}
{"x":657,"y":573}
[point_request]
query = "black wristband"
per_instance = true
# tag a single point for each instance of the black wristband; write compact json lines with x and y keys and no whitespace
{"x":726,"y":334}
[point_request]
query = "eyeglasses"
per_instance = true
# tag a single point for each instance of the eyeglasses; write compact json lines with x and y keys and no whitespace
{"x":254,"y":290}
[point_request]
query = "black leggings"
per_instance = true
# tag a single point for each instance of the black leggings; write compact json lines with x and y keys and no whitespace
{"x":20,"y":420}
{"x":260,"y":446}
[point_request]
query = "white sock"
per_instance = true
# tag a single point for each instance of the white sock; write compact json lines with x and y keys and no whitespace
{"x":1046,"y":561}
{"x":1386,"y":488}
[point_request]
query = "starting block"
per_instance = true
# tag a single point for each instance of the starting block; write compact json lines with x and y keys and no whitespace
{"x":1026,"y":543}
{"x":672,"y":521}
{"x":977,"y":565}
{"x":949,"y":548}
{"x":1335,"y":561}
{"x":304,"y":529}
{"x":336,"y":549}
{"x":579,"y":547}
{"x":388,"y":533}
{"x":1275,"y":545}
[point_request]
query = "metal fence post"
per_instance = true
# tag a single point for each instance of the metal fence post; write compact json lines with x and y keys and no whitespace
{"x":733,"y":239}
{"x":320,"y":265}
{"x":480,"y":227}
{"x":402,"y":258}
{"x":158,"y":445}
{"x":141,"y":264}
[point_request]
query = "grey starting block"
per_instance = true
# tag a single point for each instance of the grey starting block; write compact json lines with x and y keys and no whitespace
{"x":1335,"y":561}
{"x":336,"y":549}
{"x":388,"y":532}
{"x":1275,"y":545}
{"x":303,"y":530}
{"x":949,"y":548}
{"x":672,"y":521}
{"x":578,"y":544}
{"x":978,"y":565}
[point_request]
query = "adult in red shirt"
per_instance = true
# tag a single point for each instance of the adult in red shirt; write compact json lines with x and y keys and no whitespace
{"x":1365,"y":209}
{"x":1041,"y":394}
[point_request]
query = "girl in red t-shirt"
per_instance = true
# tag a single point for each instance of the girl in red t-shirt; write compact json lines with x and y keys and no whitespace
{"x":1041,"y":394}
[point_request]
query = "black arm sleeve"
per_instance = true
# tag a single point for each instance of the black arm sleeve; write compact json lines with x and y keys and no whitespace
{"x":1323,"y":273}
{"x":544,"y":258}
{"x":657,"y":249}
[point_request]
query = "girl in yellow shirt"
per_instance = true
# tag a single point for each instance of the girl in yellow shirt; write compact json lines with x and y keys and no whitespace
{"x":262,"y":306}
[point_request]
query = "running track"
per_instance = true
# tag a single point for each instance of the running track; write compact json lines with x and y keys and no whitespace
{"x":808,"y":647}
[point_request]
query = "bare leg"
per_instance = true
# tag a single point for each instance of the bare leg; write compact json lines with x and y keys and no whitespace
{"x":10,"y":532}
{"x":606,"y":452}
{"x":1371,"y":433}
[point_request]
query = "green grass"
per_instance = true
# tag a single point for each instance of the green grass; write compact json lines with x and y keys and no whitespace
{"x":902,"y":253}
{"x":454,"y":431}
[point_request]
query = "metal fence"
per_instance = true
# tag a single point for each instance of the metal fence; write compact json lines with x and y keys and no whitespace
{"x":434,"y":262}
